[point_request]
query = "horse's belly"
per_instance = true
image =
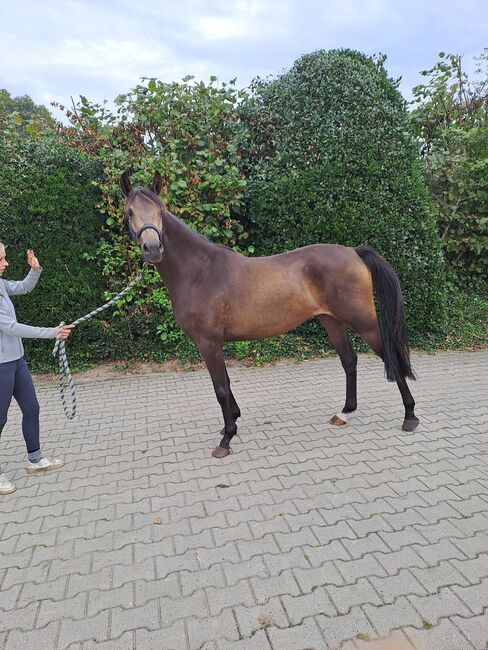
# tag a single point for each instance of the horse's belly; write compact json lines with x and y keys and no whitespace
{"x":261,"y":324}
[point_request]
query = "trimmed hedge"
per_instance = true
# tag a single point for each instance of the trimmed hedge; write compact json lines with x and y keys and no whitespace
{"x":330,"y":158}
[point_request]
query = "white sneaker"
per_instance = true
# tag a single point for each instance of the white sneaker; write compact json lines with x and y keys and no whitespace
{"x":6,"y":486}
{"x":44,"y":465}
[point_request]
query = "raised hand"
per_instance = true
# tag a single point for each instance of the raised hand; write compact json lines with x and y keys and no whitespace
{"x":32,"y":260}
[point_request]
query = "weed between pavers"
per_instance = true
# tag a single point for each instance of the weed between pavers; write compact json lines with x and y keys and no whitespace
{"x":266,"y":621}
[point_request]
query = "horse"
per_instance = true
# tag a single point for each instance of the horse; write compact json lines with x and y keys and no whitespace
{"x":219,"y":295}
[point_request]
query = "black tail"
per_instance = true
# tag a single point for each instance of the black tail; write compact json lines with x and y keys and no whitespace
{"x":396,"y":355}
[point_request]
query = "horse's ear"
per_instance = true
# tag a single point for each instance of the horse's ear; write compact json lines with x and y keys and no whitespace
{"x":156,"y":184}
{"x":125,"y":185}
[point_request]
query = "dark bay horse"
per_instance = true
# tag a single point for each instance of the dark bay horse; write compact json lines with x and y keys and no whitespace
{"x":219,"y":295}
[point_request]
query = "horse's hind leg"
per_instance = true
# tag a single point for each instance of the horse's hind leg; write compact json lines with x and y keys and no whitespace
{"x":236,"y":411}
{"x":214,"y":358}
{"x":339,"y":337}
{"x":372,"y":336}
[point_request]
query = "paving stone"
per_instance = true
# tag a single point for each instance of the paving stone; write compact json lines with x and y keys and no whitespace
{"x":397,"y":640}
{"x":444,"y":574}
{"x":472,"y":569}
{"x":387,"y":617}
{"x":224,"y":597}
{"x":8,"y":597}
{"x":475,"y":629}
{"x":300,"y":607}
{"x":165,"y":638}
{"x":173,"y":609}
{"x":351,"y":570}
{"x":55,"y":610}
{"x":475,"y":596}
{"x":226,"y":553}
{"x":325,"y":575}
{"x":255,"y":567}
{"x":341,"y":628}
{"x":100,"y":600}
{"x":44,"y":639}
{"x":22,"y":618}
{"x":208,"y":629}
{"x":266,"y":544}
{"x":443,"y":604}
{"x":147,"y":615}
{"x":79,"y":583}
{"x":406,"y":557}
{"x":306,"y":635}
{"x":348,"y":596}
{"x":73,"y":631}
{"x":285,"y":583}
{"x":251,"y":619}
{"x":441,"y":636}
{"x":124,"y":642}
{"x":442,"y":550}
{"x":258,"y":642}
{"x":402,"y":584}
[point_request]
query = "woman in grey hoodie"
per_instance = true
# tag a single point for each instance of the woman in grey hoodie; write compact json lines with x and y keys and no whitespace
{"x":15,"y":378}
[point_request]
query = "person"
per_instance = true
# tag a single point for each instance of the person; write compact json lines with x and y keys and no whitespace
{"x":15,"y":378}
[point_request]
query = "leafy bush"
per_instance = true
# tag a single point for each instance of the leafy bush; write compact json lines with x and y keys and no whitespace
{"x":188,"y":132}
{"x":330,"y":158}
{"x":451,"y":121}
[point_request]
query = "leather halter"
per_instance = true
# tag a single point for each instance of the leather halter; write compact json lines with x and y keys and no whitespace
{"x":147,"y":226}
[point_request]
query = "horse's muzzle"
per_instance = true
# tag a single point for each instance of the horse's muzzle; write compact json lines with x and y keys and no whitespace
{"x":152,"y":252}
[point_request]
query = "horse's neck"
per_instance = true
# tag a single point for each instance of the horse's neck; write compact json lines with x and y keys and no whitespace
{"x":185,"y":253}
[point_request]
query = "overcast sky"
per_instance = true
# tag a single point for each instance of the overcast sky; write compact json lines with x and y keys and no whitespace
{"x":51,"y":49}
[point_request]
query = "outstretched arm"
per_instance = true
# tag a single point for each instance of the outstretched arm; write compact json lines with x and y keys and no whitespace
{"x":10,"y":326}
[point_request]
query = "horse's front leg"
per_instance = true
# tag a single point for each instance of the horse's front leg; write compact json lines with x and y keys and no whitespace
{"x":213,"y":356}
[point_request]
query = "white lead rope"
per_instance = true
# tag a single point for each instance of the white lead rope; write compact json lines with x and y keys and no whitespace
{"x":59,"y":348}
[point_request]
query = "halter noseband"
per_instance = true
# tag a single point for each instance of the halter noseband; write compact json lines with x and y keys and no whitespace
{"x":147,"y":226}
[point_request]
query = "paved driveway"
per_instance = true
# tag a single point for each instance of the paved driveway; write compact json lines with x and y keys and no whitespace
{"x":307,"y":536}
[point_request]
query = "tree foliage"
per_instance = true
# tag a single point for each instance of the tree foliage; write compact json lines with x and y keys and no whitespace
{"x":21,"y":116}
{"x":451,"y":122}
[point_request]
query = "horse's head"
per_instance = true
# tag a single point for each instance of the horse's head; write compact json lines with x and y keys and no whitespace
{"x":143,"y":213}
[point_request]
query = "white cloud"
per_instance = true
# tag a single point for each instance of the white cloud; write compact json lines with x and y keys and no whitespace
{"x":253,"y":19}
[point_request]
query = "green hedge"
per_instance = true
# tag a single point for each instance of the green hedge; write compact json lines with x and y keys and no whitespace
{"x":330,"y":158}
{"x":48,"y":204}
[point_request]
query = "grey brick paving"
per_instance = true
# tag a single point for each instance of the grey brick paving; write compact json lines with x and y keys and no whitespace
{"x":308,"y":536}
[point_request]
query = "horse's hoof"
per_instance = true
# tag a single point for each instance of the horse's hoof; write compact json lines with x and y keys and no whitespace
{"x":410,"y":425}
{"x":339,"y":422}
{"x":220,"y":452}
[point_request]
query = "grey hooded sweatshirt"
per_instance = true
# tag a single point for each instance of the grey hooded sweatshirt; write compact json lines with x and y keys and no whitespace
{"x":11,"y":332}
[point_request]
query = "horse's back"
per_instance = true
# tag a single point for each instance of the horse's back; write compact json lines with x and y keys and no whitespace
{"x":266,"y":296}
